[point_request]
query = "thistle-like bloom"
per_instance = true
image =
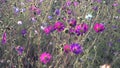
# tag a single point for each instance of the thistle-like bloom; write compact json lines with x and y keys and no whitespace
{"x":76,"y":48}
{"x":19,"y":50}
{"x":59,"y":26}
{"x":4,"y":38}
{"x":99,"y":27}
{"x":49,"y":29}
{"x":45,"y":57}
{"x":66,"y":48}
{"x":72,"y":22}
{"x":81,"y":29}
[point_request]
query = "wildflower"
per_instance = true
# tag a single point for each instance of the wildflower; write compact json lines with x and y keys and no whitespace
{"x":24,"y":32}
{"x":105,"y":66}
{"x":23,"y":10}
{"x":66,"y":48}
{"x":19,"y":49}
{"x":68,"y":3}
{"x":37,"y":11}
{"x":19,"y":22}
{"x":95,"y":8}
{"x":99,"y":27}
{"x":50,"y":17}
{"x":16,"y":9}
{"x":71,"y":30}
{"x":45,"y":57}
{"x":33,"y":8}
{"x":88,"y":16}
{"x":69,"y":11}
{"x":49,"y":29}
{"x":76,"y":48}
{"x":72,"y":22}
{"x":59,"y":26}
{"x":33,"y":19}
{"x":118,"y":11}
{"x":57,"y":11}
{"x":4,"y":38}
{"x":75,"y":3}
{"x":115,"y":4}
{"x":81,"y":29}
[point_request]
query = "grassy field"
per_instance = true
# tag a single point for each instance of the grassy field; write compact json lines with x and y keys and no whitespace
{"x":51,"y":33}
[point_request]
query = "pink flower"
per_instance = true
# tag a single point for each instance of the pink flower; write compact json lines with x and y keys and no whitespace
{"x":45,"y":57}
{"x":4,"y":38}
{"x":19,"y":49}
{"x":76,"y":3}
{"x":99,"y":27}
{"x":49,"y":29}
{"x":81,"y":29}
{"x":59,"y":26}
{"x":66,"y":48}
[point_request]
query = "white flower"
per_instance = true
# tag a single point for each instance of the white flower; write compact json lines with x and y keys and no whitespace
{"x":42,"y":27}
{"x":19,"y":22}
{"x":105,"y":66}
{"x":88,"y":16}
{"x":36,"y":32}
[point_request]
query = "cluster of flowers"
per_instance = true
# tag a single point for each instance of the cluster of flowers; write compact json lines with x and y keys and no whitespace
{"x":75,"y":28}
{"x":74,"y":47}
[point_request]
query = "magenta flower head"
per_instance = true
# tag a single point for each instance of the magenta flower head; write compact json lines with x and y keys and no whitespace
{"x":49,"y":29}
{"x":19,"y":50}
{"x":32,"y":8}
{"x":4,"y":38}
{"x":81,"y":29}
{"x":76,"y":48}
{"x":75,"y":3}
{"x":68,"y":3}
{"x":37,"y":11}
{"x":72,"y":22}
{"x":99,"y":27}
{"x":45,"y":57}
{"x":66,"y":48}
{"x":59,"y":26}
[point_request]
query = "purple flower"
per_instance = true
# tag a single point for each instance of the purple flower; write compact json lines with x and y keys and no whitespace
{"x":118,"y":11}
{"x":50,"y":17}
{"x":4,"y":38}
{"x":59,"y":26}
{"x":38,"y":11}
{"x":57,"y":12}
{"x":45,"y":57}
{"x":71,"y":30}
{"x":19,"y":49}
{"x":49,"y":29}
{"x":16,"y":9}
{"x":24,"y":32}
{"x":81,"y":29}
{"x":99,"y":27}
{"x":72,"y":22}
{"x":68,"y":3}
{"x":95,"y":8}
{"x":76,"y":3}
{"x":69,"y":11}
{"x":76,"y":48}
